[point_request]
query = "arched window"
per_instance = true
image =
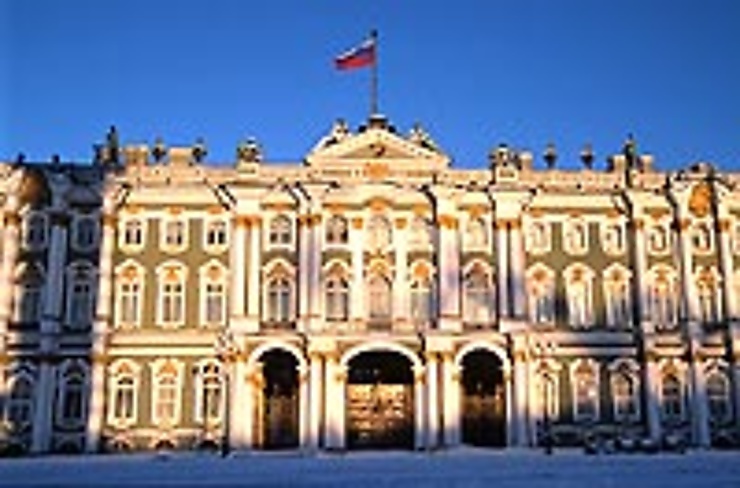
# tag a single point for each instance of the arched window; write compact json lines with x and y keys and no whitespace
{"x":166,"y":397}
{"x":421,"y":299}
{"x":35,"y":230}
{"x":613,"y":237}
{"x":477,"y":298}
{"x":718,"y":397}
{"x":281,"y":231}
{"x":708,"y":296}
{"x":476,"y":234}
{"x":379,"y":232}
{"x":379,"y":298}
{"x":541,"y":295}
{"x":80,"y":296}
{"x":420,"y":232}
{"x":586,"y":392}
{"x":85,"y":232}
{"x":20,"y":402}
{"x":71,"y":401}
{"x":129,"y":295}
{"x":123,"y":395}
{"x":213,"y":287}
{"x":279,"y":299}
{"x":617,"y":297}
{"x":174,"y":233}
{"x":659,"y":239}
{"x":672,"y":396}
{"x":662,"y":298}
{"x":29,"y":292}
{"x":209,"y":396}
{"x":624,"y":395}
{"x":337,"y":230}
{"x":575,"y":237}
{"x":701,"y":238}
{"x":337,"y":299}
{"x":547,"y":393}
{"x":171,"y":289}
{"x":579,"y":296}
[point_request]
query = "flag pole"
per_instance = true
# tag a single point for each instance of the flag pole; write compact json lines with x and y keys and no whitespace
{"x":374,"y":75}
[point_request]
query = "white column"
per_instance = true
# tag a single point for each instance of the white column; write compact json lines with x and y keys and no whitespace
{"x":432,"y":384}
{"x":652,"y":380}
{"x":304,"y":409}
{"x":517,"y":270}
{"x":315,"y":395}
{"x":731,"y":300}
{"x":449,"y":273}
{"x":304,"y":264}
{"x":520,"y":399}
{"x":357,"y":296}
{"x":419,"y":417}
{"x":253,"y":274}
{"x":699,"y":408}
{"x":690,"y":298}
{"x":43,"y":413}
{"x":11,"y":242}
{"x":451,"y":401}
{"x":401,"y":306}
{"x":56,"y":261}
{"x":510,"y":412}
{"x":502,"y":268}
{"x":238,"y":266}
{"x":234,"y":384}
{"x":315,"y":311}
{"x":335,"y":393}
{"x":250,"y":384}
{"x":103,"y":314}
{"x":640,"y":277}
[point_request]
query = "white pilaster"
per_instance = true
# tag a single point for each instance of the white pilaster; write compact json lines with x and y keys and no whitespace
{"x":56,"y":261}
{"x":502,"y":267}
{"x":401,"y":305}
{"x":248,"y":392}
{"x":652,"y":380}
{"x":520,"y":399}
{"x":640,"y":276}
{"x":690,"y":298}
{"x":449,"y":273}
{"x":731,"y":300}
{"x":451,"y":401}
{"x":315,"y":395}
{"x":304,"y":265}
{"x":357,"y":297}
{"x":11,"y":242}
{"x":419,"y":417}
{"x":335,"y":378}
{"x":304,"y":409}
{"x":510,"y":410}
{"x":518,"y":285}
{"x":253,"y":274}
{"x":238,"y":266}
{"x":315,"y":311}
{"x":699,"y":406}
{"x":43,"y":413}
{"x":432,"y":385}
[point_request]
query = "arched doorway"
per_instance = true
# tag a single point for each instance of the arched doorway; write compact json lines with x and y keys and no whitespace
{"x":483,"y":400}
{"x":380,"y":401}
{"x":279,"y":406}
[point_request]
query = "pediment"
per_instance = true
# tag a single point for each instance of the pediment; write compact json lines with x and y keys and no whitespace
{"x":376,"y":146}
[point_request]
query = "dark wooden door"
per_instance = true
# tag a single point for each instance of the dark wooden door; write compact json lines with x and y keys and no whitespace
{"x":484,"y":418}
{"x":281,"y":420}
{"x":379,"y":416}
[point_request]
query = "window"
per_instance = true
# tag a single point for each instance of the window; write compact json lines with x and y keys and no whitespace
{"x":617,"y":296}
{"x":477,"y":298}
{"x":209,"y":396}
{"x":35,"y":231}
{"x":337,"y":230}
{"x":213,"y":294}
{"x":537,"y":238}
{"x":624,"y":395}
{"x":662,"y":298}
{"x":420,"y":232}
{"x":541,"y":295}
{"x":337,"y":299}
{"x":279,"y":299}
{"x":129,"y":293}
{"x":215,"y":235}
{"x":20,"y":403}
{"x":174,"y":234}
{"x":613,"y":237}
{"x":85,"y":232}
{"x":71,"y":400}
{"x":379,"y":297}
{"x":379,"y":232}
{"x":672,"y":394}
{"x":171,"y":289}
{"x":579,"y":298}
{"x":123,"y":393}
{"x":29,"y":288}
{"x":421,"y":300}
{"x":133,"y":233}
{"x":166,"y":395}
{"x":280,"y":231}
{"x":575,"y":237}
{"x":547,"y":393}
{"x":659,"y":239}
{"x":701,"y":238}
{"x":476,"y":234}
{"x":718,"y":397}
{"x":586,"y":392}
{"x":708,"y":296}
{"x":80,"y":296}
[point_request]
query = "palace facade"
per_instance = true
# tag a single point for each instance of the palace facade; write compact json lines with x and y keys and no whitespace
{"x":369,"y":296}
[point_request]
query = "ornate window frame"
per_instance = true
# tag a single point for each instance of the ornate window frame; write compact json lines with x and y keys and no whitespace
{"x":281,"y":231}
{"x":211,"y":276}
{"x":172,"y":279}
{"x":626,"y":370}
{"x":379,"y":288}
{"x":538,"y":235}
{"x":73,"y":379}
{"x":279,"y":292}
{"x":132,"y":233}
{"x":617,"y":294}
{"x":613,"y":236}
{"x":708,"y":295}
{"x":216,"y":234}
{"x":478,"y":300}
{"x":379,"y":232}
{"x":579,"y":277}
{"x":421,"y":233}
{"x":336,"y":287}
{"x":541,"y":294}
{"x":174,"y":232}
{"x":81,"y":292}
{"x":20,"y":373}
{"x":130,"y":285}
{"x":574,"y":235}
{"x":588,"y":386}
{"x":422,"y":293}
{"x":675,"y":371}
{"x":663,"y":277}
{"x":722,"y":398}
{"x":336,"y":231}
{"x":477,"y":235}
{"x":659,"y":239}
{"x":85,"y":232}
{"x":34,"y":230}
{"x":548,"y":376}
{"x":171,"y":370}
{"x":702,"y":237}
{"x":30,"y":287}
{"x":209,"y":382}
{"x":123,"y":369}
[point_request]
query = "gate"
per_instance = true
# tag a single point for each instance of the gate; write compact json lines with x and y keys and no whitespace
{"x":483,"y":400}
{"x":278,"y":415}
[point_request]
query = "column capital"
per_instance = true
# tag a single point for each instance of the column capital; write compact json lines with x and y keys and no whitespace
{"x":447,"y":221}
{"x":12,"y":219}
{"x":357,"y":223}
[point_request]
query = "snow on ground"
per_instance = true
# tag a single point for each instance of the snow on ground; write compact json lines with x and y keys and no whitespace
{"x":457,"y":468}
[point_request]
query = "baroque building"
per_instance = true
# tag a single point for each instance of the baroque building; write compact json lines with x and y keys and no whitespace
{"x":369,"y":296}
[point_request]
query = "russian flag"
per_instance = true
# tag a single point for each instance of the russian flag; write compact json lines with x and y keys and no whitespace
{"x":359,"y":57}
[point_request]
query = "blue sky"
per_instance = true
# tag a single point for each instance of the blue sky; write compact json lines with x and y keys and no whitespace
{"x":474,"y":73}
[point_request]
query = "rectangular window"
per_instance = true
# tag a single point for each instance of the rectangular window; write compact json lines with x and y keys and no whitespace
{"x":174,"y":234}
{"x":133,"y":233}
{"x":216,"y":234}
{"x":129,"y":302}
{"x":215,"y":303}
{"x":172,"y":303}
{"x":85,"y":233}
